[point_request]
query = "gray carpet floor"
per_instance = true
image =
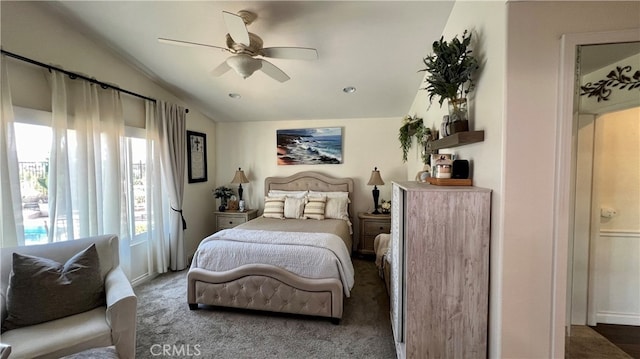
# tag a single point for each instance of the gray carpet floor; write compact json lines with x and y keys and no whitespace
{"x":167,"y":328}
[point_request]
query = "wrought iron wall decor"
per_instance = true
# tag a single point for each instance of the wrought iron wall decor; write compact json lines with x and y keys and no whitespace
{"x":616,"y":79}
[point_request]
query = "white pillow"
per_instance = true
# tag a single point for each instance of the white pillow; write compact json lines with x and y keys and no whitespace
{"x":283,"y":193}
{"x":337,"y":204}
{"x":337,"y":207}
{"x":294,"y":207}
{"x":329,"y":194}
{"x":274,"y":207}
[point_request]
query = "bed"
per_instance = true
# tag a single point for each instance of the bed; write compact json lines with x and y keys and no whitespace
{"x":291,"y":265}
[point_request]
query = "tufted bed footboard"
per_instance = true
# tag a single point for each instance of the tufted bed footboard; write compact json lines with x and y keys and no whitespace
{"x":266,"y":287}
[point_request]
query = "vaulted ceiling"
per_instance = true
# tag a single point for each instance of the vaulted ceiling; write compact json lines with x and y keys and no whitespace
{"x":374,"y":46}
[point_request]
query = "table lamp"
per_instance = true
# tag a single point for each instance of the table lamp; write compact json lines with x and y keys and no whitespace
{"x":240,"y":178}
{"x":374,"y":181}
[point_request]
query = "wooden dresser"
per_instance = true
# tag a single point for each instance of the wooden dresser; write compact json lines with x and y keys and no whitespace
{"x":440,"y":270}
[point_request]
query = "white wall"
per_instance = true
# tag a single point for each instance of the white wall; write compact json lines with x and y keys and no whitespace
{"x":534,"y":30}
{"x":620,"y":169}
{"x":367,"y":143}
{"x":30,"y":29}
{"x":617,"y":249}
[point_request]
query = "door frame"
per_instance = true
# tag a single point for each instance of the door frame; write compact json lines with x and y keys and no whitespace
{"x":566,"y":129}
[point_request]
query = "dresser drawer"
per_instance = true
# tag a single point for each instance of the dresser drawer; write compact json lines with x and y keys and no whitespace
{"x":225,"y":222}
{"x":373,"y":228}
{"x":230,"y":219}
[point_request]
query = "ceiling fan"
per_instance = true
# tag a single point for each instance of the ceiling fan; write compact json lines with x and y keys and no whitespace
{"x":247,"y":49}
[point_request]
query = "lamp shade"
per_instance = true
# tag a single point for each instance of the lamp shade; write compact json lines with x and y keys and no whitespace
{"x":240,"y":177}
{"x":375,"y":179}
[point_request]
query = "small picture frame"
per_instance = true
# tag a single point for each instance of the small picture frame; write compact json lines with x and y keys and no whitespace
{"x":196,"y":157}
{"x":233,"y":205}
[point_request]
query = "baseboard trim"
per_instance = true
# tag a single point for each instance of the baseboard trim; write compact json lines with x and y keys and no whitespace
{"x":618,"y":318}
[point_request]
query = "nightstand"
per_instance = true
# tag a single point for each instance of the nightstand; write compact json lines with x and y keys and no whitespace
{"x":230,"y":219}
{"x":370,"y":226}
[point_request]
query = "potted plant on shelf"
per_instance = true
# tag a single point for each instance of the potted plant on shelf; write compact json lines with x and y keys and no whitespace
{"x":224,"y":193}
{"x":412,"y":127}
{"x":451,"y":68}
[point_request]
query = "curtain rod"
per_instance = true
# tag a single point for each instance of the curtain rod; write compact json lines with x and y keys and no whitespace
{"x":74,"y":75}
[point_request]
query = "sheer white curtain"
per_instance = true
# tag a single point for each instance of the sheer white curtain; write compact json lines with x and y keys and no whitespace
{"x":86,"y":161}
{"x":158,"y":209}
{"x":172,"y":137}
{"x":11,"y":222}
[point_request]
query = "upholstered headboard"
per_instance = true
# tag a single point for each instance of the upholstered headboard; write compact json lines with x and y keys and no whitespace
{"x":310,"y":181}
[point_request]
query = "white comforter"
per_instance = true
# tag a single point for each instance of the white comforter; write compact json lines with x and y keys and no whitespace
{"x":311,"y":255}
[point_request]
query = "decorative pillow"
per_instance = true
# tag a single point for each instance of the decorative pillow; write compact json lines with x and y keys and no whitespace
{"x":282,"y":193}
{"x":329,"y":194}
{"x":337,"y":206}
{"x":294,"y":207}
{"x":273,"y":207}
{"x":314,"y":209}
{"x":41,"y":289}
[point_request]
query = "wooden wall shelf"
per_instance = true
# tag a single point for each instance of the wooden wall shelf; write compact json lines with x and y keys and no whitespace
{"x":450,"y":181}
{"x":458,"y":139}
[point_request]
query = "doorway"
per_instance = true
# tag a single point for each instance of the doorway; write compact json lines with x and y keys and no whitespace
{"x":604,"y":241}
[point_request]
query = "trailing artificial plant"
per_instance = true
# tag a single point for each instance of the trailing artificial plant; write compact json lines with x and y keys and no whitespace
{"x":412,"y":126}
{"x":451,"y":67}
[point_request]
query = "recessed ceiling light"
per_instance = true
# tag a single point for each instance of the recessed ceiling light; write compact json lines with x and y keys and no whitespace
{"x":349,"y":89}
{"x":235,"y":96}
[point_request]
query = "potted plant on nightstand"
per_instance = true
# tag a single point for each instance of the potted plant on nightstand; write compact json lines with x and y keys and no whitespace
{"x":224,"y":193}
{"x":451,"y":67}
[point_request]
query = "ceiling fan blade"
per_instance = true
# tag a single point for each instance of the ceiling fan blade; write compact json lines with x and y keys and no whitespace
{"x":296,"y":53}
{"x":273,"y":71}
{"x":189,"y":43}
{"x":236,"y":27}
{"x":221,"y":69}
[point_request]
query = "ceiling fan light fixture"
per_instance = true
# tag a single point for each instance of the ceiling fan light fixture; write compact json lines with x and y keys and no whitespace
{"x":244,"y":65}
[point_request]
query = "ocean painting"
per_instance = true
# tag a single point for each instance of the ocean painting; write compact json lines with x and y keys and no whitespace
{"x":309,"y":146}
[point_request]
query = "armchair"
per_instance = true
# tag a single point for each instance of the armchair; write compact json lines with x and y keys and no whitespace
{"x":110,"y":325}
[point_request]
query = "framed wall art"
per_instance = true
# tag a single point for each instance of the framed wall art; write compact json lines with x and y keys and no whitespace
{"x":196,"y":157}
{"x":309,"y":146}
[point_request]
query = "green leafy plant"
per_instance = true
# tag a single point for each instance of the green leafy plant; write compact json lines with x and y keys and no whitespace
{"x":223,"y":192}
{"x":451,"y":67}
{"x":411,"y":127}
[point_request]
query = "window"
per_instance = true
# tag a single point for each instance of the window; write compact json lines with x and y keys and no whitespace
{"x":33,"y":144}
{"x":136,"y":153}
{"x":33,"y":147}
